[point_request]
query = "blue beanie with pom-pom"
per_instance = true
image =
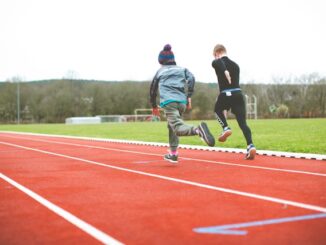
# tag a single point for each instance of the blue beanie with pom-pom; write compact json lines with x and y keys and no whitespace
{"x":166,"y":55}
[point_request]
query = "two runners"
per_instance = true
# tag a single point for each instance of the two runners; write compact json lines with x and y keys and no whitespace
{"x":175,"y":84}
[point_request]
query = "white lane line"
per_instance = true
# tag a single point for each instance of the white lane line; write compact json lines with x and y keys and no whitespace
{"x":185,"y":158}
{"x":89,"y":229}
{"x":216,"y":188}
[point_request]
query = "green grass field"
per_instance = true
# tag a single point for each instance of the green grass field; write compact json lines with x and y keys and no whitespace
{"x":290,"y":135}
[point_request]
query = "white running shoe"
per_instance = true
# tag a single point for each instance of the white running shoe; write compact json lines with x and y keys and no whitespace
{"x":251,"y":152}
{"x":225,"y":134}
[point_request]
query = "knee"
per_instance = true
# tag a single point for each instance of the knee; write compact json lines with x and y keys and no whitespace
{"x":219,"y":112}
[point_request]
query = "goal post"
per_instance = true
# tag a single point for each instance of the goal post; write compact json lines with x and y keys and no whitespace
{"x":251,"y":106}
{"x":145,"y":112}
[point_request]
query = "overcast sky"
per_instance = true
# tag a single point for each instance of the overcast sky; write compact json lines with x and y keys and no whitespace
{"x":121,"y":39}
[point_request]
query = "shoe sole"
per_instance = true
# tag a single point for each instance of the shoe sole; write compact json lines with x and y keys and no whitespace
{"x":252,"y":154}
{"x":224,"y":136}
{"x":208,"y":138}
{"x":169,"y":160}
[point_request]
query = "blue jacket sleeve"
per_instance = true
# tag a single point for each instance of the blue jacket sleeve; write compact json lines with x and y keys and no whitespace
{"x":153,"y":92}
{"x":190,"y":83}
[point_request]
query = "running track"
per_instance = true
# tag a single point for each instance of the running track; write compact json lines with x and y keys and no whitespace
{"x":56,"y":190}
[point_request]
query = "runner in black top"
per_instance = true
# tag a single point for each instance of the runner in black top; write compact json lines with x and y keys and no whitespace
{"x":230,"y":97}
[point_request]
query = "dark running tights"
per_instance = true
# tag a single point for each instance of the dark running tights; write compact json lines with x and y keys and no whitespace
{"x":241,"y":119}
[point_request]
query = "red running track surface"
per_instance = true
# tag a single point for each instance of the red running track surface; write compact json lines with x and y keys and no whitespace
{"x":124,"y":193}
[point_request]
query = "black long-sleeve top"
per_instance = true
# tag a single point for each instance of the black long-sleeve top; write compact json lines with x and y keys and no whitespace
{"x":222,"y":64}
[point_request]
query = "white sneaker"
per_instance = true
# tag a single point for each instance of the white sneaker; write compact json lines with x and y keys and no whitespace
{"x":251,"y":152}
{"x":225,"y":134}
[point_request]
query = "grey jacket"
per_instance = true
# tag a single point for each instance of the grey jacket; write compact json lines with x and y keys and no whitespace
{"x":175,"y":84}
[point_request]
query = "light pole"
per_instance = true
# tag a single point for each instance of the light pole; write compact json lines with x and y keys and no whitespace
{"x":18,"y":102}
{"x":18,"y":99}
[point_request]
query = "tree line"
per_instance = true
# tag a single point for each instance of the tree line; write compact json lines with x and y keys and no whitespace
{"x":52,"y":101}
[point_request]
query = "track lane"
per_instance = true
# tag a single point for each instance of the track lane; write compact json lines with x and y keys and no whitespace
{"x":290,"y":186}
{"x":24,"y":221}
{"x":149,"y":205}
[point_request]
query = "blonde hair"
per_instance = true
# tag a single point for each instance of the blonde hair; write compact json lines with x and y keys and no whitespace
{"x":219,"y":48}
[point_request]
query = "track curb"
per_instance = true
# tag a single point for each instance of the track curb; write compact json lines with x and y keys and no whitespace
{"x":191,"y":147}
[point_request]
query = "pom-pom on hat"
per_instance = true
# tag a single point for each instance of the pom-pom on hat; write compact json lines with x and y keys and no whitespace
{"x":166,"y":55}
